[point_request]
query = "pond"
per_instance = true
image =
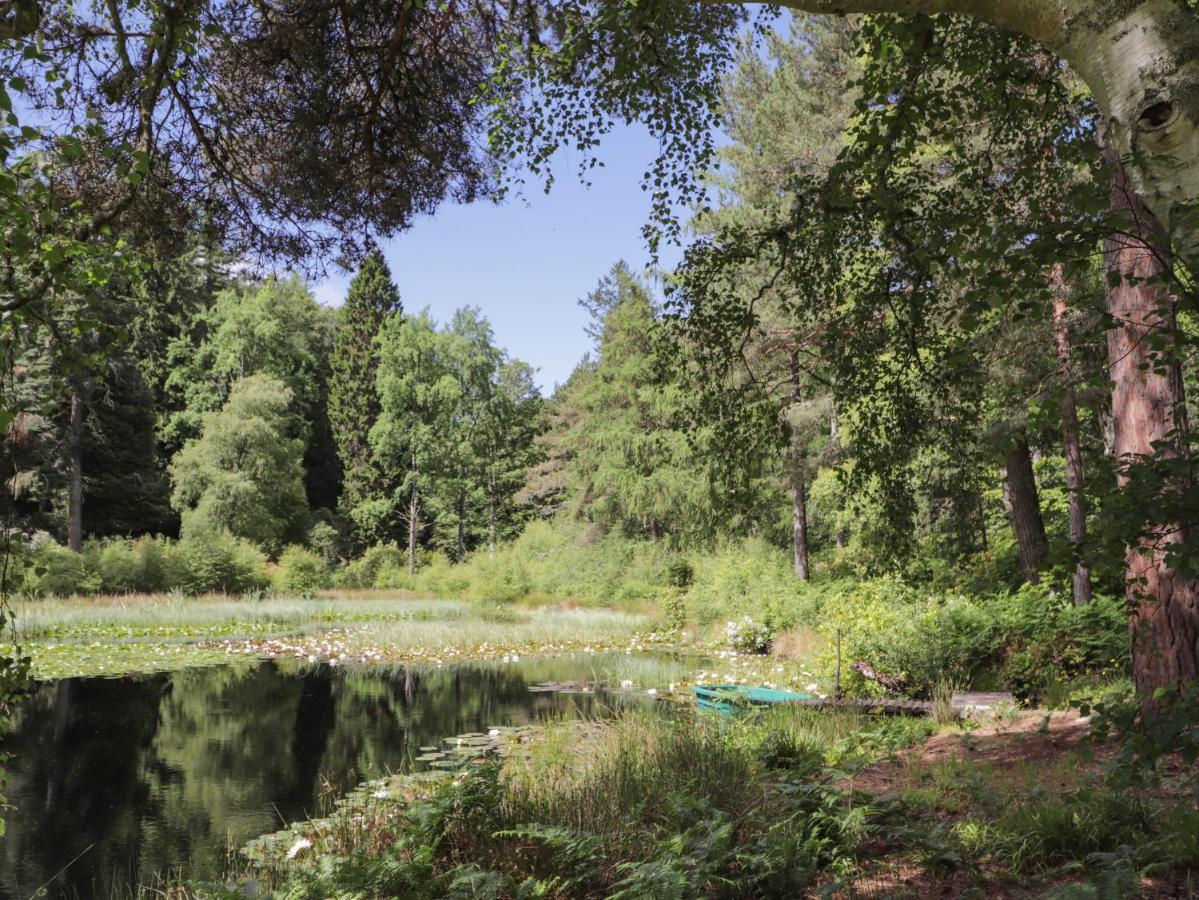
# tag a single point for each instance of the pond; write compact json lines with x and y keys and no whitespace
{"x":117,"y":780}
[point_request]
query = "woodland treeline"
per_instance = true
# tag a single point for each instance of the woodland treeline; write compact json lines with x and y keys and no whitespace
{"x":925,"y":320}
{"x":213,"y":401}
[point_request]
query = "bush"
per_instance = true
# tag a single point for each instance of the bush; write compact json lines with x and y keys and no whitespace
{"x":216,"y":561}
{"x":747,"y":636}
{"x":324,"y":540}
{"x":300,"y":571}
{"x":54,"y":569}
{"x":364,"y":572}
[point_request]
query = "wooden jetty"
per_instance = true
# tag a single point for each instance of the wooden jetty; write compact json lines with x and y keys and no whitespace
{"x":728,"y":698}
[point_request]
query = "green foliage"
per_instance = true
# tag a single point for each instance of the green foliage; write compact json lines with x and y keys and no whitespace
{"x":1051,"y":832}
{"x":365,"y":570}
{"x":300,"y":572}
{"x":324,"y":540}
{"x":550,"y":559}
{"x":455,"y":430}
{"x":635,"y":468}
{"x":203,"y":562}
{"x":744,"y":635}
{"x":1034,"y":637}
{"x":216,"y":561}
{"x":243,"y":474}
{"x":657,"y":807}
{"x":353,"y":402}
{"x":56,"y":570}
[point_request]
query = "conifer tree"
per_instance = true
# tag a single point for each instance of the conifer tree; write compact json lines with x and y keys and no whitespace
{"x":353,"y":398}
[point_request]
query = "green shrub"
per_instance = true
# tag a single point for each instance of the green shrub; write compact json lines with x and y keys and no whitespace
{"x":300,"y":571}
{"x":53,"y":569}
{"x":324,"y":540}
{"x":216,"y":561}
{"x":364,"y":571}
{"x":119,"y":564}
{"x":500,"y":579}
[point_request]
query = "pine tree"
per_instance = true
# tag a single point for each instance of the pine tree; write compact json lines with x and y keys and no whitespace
{"x":353,"y":398}
{"x":636,"y":469}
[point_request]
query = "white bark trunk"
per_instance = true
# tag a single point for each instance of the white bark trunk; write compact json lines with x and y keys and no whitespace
{"x":1141,"y":59}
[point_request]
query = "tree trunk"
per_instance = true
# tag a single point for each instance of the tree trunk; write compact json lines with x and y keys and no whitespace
{"x":75,"y":474}
{"x":799,"y":520}
{"x":1024,"y":509}
{"x":413,"y":529}
{"x":461,"y":526}
{"x":1148,"y":417}
{"x":491,"y":513}
{"x":1070,"y":442}
{"x":799,"y":488}
{"x":1139,"y":58}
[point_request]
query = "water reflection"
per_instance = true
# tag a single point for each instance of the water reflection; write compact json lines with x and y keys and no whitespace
{"x":136,"y":776}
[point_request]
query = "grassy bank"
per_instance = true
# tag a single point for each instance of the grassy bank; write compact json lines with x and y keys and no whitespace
{"x":787,"y":803}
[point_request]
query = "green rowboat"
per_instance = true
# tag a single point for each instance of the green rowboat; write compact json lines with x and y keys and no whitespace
{"x":728,"y":698}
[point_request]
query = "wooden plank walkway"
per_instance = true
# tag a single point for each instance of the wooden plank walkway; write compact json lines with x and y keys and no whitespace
{"x":885,"y":706}
{"x":962,"y":703}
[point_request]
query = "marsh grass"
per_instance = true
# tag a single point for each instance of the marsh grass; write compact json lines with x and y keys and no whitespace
{"x":162,"y":615}
{"x":145,"y":633}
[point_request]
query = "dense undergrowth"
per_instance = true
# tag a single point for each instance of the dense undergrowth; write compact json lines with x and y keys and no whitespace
{"x":1031,"y":639}
{"x":682,"y":807}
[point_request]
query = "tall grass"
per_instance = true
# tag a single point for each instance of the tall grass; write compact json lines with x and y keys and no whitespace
{"x":148,"y":614}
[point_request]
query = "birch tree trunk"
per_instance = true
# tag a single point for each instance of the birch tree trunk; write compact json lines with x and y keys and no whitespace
{"x":75,"y":473}
{"x":799,"y":520}
{"x":1141,"y":60}
{"x":799,"y":495}
{"x":413,"y":528}
{"x":1070,"y":441}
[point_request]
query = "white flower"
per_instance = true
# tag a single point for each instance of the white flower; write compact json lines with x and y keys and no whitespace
{"x":301,"y":844}
{"x":626,"y":685}
{"x":495,"y":732}
{"x":811,"y":687}
{"x":515,"y":658}
{"x":380,"y":794}
{"x":653,"y":692}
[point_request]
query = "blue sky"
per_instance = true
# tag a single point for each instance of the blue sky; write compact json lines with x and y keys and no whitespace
{"x":526,"y":262}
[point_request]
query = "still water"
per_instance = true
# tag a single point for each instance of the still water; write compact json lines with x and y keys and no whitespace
{"x":115,"y":780}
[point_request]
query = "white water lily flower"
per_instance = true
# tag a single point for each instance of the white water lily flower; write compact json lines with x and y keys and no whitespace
{"x":301,"y":844}
{"x":652,"y":692}
{"x":379,"y":794}
{"x":811,"y":687}
{"x":495,"y":732}
{"x":626,"y":685}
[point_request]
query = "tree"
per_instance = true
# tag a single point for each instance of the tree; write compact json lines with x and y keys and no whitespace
{"x":1152,"y":449}
{"x":417,"y":396}
{"x":636,"y":468}
{"x":787,"y":115}
{"x":272,"y":328}
{"x":511,"y":421}
{"x":244,"y":473}
{"x":353,"y":402}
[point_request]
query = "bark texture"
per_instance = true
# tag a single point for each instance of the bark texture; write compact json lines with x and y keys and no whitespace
{"x":1024,"y":509}
{"x":799,"y":522}
{"x":1071,"y":445}
{"x":1147,"y":405}
{"x":413,"y":529}
{"x":799,"y":488}
{"x":75,"y":474}
{"x":1139,"y":57}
